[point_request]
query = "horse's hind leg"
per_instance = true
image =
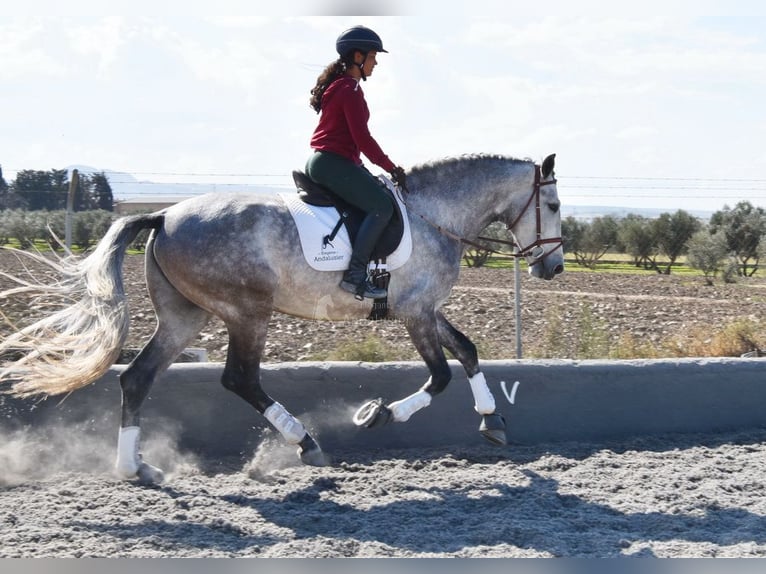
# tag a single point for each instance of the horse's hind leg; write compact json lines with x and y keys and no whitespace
{"x":242,"y":374}
{"x":178,"y":323}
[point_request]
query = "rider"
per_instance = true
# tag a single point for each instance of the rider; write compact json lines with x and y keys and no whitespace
{"x":339,"y":138}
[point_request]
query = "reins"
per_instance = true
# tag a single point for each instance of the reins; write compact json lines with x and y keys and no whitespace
{"x":534,"y":249}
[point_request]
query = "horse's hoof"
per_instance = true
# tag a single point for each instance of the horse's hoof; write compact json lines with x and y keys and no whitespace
{"x":315,"y":458}
{"x":373,"y":414}
{"x":311,"y":454}
{"x":148,"y":474}
{"x":492,"y":428}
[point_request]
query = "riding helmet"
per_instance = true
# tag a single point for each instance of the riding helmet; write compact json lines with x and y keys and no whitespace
{"x":358,"y":38}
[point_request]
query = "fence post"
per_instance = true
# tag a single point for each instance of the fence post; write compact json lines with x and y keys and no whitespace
{"x":70,"y":209}
{"x":517,"y":303}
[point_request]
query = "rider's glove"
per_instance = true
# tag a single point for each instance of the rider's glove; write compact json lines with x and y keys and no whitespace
{"x":400,"y":178}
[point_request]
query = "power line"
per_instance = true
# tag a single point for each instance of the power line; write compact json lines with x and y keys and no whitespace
{"x":560,"y":176}
{"x":168,"y":173}
{"x":629,"y":196}
{"x":215,"y":174}
{"x":198,"y":183}
{"x":728,"y":191}
{"x":673,"y":188}
{"x":718,"y":179}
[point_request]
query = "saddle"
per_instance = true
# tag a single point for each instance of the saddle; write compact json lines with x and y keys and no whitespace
{"x":312,"y":193}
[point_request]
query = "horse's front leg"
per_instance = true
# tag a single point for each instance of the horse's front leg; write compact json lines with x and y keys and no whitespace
{"x":492,"y":424}
{"x":429,"y":333}
{"x":424,"y":335}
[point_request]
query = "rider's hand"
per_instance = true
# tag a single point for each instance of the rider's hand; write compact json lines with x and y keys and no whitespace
{"x":399,"y":178}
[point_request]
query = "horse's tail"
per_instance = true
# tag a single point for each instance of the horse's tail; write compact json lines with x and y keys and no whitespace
{"x":83,"y":337}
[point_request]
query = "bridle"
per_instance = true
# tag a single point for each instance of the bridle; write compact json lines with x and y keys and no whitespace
{"x":534,"y":249}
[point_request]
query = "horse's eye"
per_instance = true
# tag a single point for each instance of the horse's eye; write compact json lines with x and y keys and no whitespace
{"x":554,"y":206}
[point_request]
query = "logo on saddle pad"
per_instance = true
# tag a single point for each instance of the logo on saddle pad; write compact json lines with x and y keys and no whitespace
{"x":326,"y":244}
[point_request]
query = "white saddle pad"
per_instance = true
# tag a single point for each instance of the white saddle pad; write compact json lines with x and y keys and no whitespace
{"x":314,"y":223}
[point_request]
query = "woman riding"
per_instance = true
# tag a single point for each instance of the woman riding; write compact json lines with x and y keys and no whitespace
{"x":339,"y":139}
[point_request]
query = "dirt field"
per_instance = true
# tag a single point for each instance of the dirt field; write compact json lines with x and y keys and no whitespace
{"x":673,"y":496}
{"x":651,"y":309}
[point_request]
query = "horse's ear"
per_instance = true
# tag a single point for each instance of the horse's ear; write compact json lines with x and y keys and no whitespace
{"x":548,"y":165}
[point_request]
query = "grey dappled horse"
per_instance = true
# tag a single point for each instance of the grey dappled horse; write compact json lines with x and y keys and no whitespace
{"x":238,"y":257}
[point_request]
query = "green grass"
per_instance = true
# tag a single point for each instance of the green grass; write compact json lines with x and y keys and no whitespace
{"x":628,"y":267}
{"x":37,"y":245}
{"x":615,"y":263}
{"x":372,"y":349}
{"x":44,"y":247}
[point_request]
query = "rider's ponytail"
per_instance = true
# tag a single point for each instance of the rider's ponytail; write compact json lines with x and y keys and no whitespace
{"x":327,"y":77}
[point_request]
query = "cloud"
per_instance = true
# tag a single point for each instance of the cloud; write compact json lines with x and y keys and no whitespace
{"x":25,"y":50}
{"x":637,"y":132}
{"x":669,"y":45}
{"x":101,"y":40}
{"x":353,"y":7}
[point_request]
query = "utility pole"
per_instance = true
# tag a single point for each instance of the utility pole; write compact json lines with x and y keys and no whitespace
{"x":73,"y":183}
{"x":517,"y":301}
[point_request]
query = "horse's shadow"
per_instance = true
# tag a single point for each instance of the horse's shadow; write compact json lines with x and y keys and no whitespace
{"x":535,"y":517}
{"x":484,"y":453}
{"x":450,"y":520}
{"x":173,"y":539}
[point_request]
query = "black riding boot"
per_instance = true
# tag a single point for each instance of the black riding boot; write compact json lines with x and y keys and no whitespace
{"x":355,"y":278}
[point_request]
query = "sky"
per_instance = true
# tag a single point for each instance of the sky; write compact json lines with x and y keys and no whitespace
{"x":652,"y":104}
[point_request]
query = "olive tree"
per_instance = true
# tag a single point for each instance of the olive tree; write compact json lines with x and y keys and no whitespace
{"x":636,"y":235}
{"x":744,"y":227}
{"x":672,"y":232}
{"x":589,"y":241}
{"x":90,"y":226}
{"x":707,"y":252}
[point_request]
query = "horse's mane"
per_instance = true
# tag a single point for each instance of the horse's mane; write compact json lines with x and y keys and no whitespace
{"x":465,"y":159}
{"x":447,"y":167}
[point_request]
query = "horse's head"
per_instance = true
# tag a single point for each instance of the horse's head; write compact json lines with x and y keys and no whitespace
{"x":537,"y":224}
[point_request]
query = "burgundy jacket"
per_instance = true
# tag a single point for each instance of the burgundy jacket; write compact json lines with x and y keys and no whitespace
{"x":342,"y":125}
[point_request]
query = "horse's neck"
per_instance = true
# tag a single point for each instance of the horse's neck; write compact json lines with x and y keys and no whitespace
{"x":463,"y":208}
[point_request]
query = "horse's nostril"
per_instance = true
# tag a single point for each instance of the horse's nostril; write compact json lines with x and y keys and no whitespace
{"x":558,"y":269}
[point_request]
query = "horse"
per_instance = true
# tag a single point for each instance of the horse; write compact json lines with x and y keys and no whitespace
{"x":237,"y":256}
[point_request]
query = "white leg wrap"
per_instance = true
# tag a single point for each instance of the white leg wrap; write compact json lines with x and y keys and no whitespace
{"x":127,"y":452}
{"x":405,"y":408}
{"x":483,"y":399}
{"x":290,"y":427}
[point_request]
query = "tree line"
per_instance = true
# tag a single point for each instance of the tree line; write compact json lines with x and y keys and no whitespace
{"x":24,"y":229}
{"x":33,"y":208}
{"x":732,"y":242}
{"x":35,"y":190}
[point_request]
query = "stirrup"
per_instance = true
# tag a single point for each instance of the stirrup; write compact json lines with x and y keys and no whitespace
{"x":364,"y":290}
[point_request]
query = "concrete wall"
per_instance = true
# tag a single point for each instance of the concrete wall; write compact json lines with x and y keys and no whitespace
{"x":554,"y":401}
